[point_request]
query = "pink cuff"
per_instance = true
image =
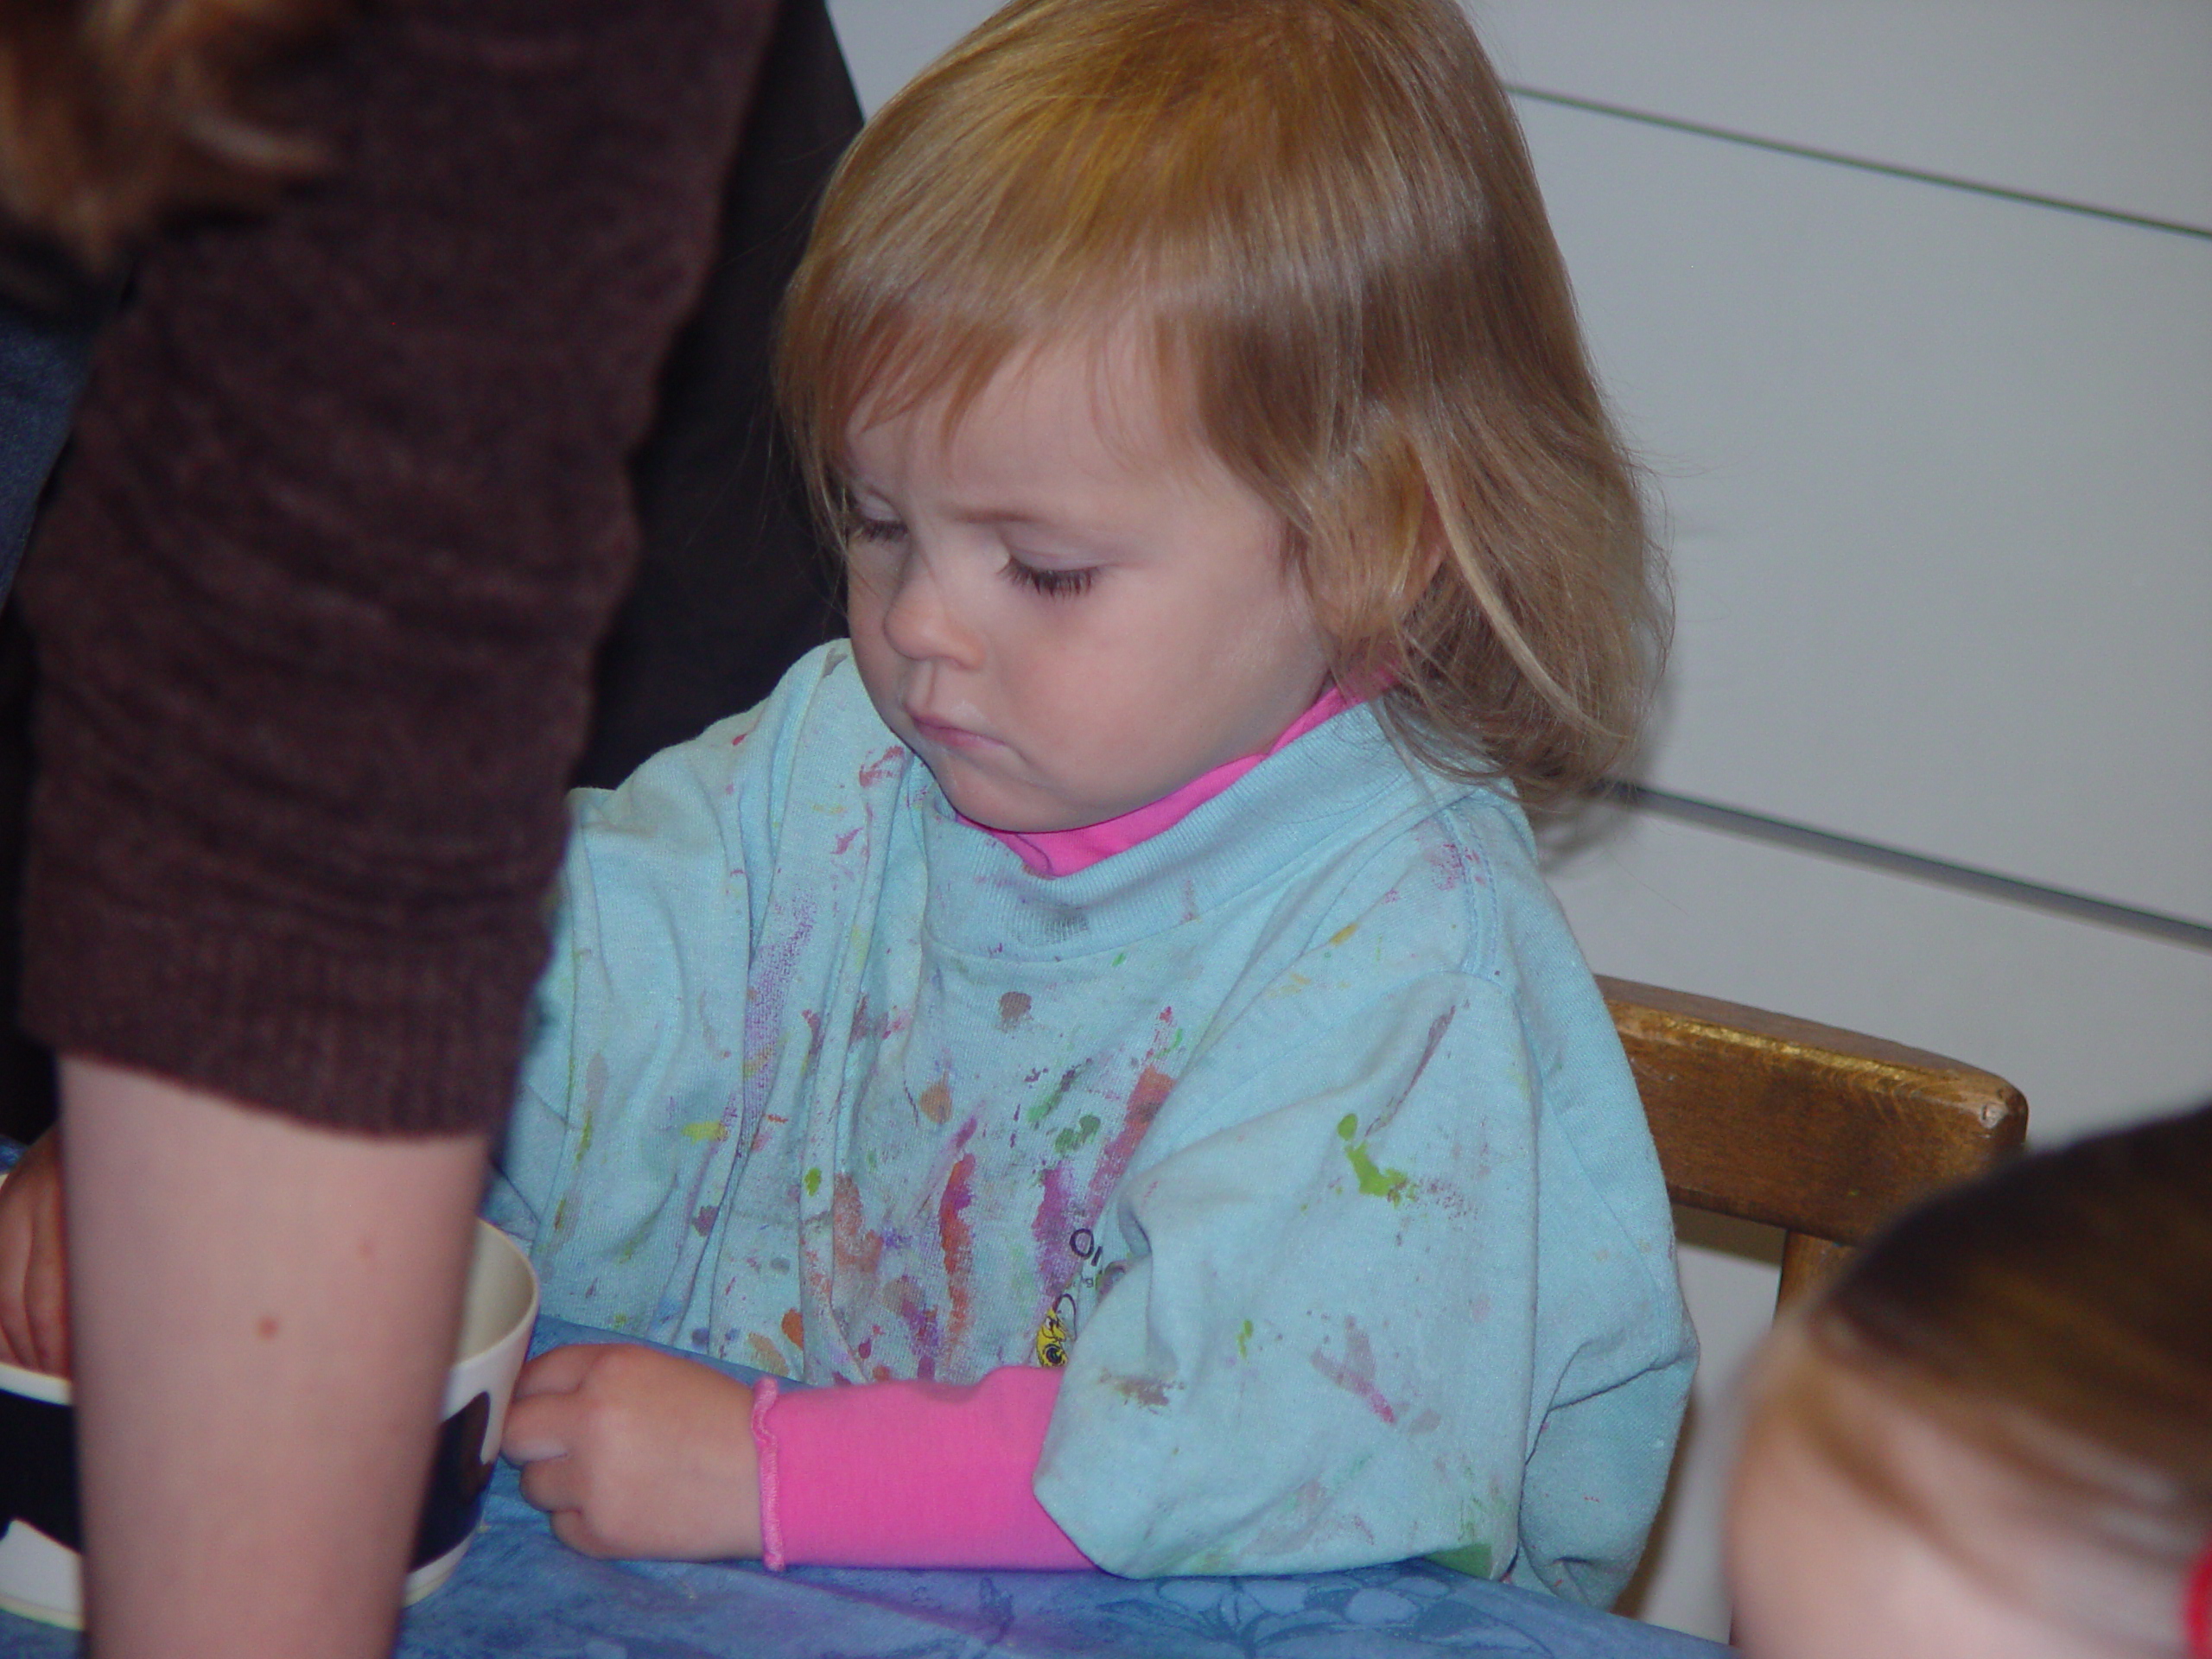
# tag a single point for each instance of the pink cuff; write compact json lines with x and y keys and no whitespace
{"x":908,"y":1474}
{"x":769,"y":1467}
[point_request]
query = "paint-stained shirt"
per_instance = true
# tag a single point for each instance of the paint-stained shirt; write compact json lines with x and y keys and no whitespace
{"x":1299,"y":1133}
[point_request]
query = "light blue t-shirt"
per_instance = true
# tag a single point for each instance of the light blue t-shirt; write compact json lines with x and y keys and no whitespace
{"x":1301,"y":1128}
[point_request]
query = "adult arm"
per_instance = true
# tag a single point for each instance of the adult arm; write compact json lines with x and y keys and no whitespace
{"x":315,"y":602}
{"x":264,"y":1313}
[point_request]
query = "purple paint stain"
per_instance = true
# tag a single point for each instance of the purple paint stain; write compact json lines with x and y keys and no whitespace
{"x":1054,"y":1224}
{"x":845,"y":840}
{"x":766,"y":987}
{"x":703,"y":1223}
{"x":1354,"y":1372}
{"x":904,"y":1297}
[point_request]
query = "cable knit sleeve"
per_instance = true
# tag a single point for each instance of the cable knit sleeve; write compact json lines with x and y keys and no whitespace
{"x":345,"y":514}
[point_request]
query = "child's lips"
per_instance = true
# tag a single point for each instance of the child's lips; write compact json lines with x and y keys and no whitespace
{"x":945,"y":734}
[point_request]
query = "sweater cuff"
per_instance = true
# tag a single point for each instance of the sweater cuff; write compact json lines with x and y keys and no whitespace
{"x":909,"y":1474}
{"x":422,"y":1039}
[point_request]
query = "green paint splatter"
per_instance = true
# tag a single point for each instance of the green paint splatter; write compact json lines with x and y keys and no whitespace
{"x":706,"y":1133}
{"x":594,"y":1092}
{"x":1472,"y":1559}
{"x":1242,"y":1337}
{"x":1120,"y":957}
{"x":1376,"y":1183}
{"x":1051,"y":1103}
{"x":1068,"y":1140}
{"x":813,"y":1182}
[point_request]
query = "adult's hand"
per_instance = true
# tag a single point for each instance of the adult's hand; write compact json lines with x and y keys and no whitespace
{"x":264,"y":1313}
{"x":34,"y":1311}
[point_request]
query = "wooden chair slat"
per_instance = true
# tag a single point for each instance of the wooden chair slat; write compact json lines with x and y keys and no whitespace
{"x":1822,"y":1132}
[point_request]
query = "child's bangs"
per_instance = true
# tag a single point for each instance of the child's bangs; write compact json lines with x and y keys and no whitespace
{"x":1045,"y":182}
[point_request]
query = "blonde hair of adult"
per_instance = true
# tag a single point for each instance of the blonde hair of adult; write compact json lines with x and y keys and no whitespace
{"x":2055,"y":1318}
{"x":1324,"y":214}
{"x":116,"y":115}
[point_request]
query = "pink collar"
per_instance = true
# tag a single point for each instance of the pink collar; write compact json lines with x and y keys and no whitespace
{"x":1063,"y":852}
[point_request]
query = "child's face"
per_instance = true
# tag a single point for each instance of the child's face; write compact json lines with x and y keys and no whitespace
{"x":1069,"y":607}
{"x":1819,"y":1570}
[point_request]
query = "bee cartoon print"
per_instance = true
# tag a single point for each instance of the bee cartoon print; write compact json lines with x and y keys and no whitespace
{"x":1057,"y":1329}
{"x":1054,"y":1334}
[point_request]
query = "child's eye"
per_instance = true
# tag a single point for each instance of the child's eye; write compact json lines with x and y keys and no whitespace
{"x":862,"y":528}
{"x":1055,"y":584}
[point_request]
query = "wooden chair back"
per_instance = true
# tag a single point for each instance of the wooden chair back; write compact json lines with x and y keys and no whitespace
{"x":1822,"y":1132}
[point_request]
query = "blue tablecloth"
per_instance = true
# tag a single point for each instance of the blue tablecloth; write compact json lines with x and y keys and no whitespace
{"x":521,"y":1591}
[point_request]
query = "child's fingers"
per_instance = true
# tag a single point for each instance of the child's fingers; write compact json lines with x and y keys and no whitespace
{"x":560,"y":1370}
{"x":34,"y":1315}
{"x":552,"y":1484}
{"x":17,"y":1346}
{"x":542,"y":1426}
{"x":46,"y":1298}
{"x":49,"y":1324}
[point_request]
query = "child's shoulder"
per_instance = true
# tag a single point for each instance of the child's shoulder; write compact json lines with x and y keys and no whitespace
{"x":1429,"y":855}
{"x":816,"y":730}
{"x":820,"y":694}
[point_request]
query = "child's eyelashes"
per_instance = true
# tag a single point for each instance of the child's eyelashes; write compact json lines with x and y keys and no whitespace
{"x":878,"y":529}
{"x":860,"y":527}
{"x":1054,"y":584}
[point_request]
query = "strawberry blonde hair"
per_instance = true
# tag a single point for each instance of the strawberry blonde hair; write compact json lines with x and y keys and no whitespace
{"x":117,"y":115}
{"x":1324,"y":213}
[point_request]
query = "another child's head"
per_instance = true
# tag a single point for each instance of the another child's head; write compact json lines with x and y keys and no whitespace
{"x":1994,"y":1435}
{"x":1115,"y":283}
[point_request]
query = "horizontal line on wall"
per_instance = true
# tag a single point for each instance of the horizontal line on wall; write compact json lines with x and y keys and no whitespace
{"x":1838,"y":159}
{"x":1988,"y":884}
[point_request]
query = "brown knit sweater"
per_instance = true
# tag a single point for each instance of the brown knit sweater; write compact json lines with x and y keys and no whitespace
{"x":346,"y":513}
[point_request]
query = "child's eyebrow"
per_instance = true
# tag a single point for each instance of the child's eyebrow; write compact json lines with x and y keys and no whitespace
{"x":988,"y":514}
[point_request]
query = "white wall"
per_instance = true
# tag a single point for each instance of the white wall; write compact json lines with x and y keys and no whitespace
{"x":1910,"y":304}
{"x":1939,"y":464}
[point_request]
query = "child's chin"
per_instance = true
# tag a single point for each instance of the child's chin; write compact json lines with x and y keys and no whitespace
{"x":1007,"y":818}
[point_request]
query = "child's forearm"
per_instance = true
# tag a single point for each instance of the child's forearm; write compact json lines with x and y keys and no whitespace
{"x":909,"y":1474}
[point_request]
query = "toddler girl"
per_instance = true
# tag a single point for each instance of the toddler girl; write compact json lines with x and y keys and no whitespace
{"x":1107,"y":1011}
{"x":1993,"y":1435}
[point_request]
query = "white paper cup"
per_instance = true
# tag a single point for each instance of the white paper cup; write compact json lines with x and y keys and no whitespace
{"x":38,"y":1528}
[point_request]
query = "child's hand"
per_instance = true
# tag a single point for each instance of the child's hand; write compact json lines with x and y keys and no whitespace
{"x":637,"y":1452}
{"x":34,"y":1313}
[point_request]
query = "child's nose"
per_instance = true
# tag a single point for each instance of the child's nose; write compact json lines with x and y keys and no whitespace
{"x":924,"y":624}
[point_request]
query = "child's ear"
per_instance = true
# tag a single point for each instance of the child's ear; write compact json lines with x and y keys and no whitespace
{"x":1429,"y":557}
{"x":1392,"y":547}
